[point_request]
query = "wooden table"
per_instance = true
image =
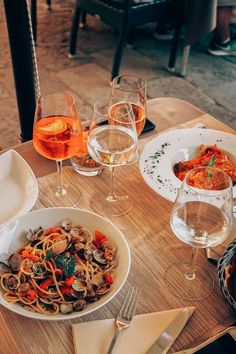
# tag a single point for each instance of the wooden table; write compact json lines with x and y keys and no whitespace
{"x":151,"y":240}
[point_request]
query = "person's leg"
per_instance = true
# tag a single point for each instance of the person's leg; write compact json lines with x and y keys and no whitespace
{"x":221,"y":43}
{"x":222,"y":30}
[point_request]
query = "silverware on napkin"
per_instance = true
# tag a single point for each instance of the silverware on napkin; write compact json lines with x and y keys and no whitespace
{"x":169,"y":335}
{"x":125,"y":315}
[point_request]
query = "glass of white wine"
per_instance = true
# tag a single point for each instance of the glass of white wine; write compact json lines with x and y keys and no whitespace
{"x":201,"y":217}
{"x":112,"y":142}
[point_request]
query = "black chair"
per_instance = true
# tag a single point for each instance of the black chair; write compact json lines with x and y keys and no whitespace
{"x":24,"y":62}
{"x":124,"y":16}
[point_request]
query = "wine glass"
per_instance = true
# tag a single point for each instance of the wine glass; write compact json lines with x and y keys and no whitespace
{"x":57,"y":135}
{"x":201,"y":217}
{"x":112,"y":142}
{"x":133,"y":89}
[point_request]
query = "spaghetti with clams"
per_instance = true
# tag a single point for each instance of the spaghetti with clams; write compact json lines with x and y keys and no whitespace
{"x":60,"y":270}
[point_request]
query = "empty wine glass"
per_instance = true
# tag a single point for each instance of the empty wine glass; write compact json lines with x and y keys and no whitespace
{"x":112,"y":142}
{"x":201,"y":217}
{"x":57,"y":135}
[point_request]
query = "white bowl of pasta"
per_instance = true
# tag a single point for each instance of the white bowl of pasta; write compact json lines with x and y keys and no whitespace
{"x":61,"y":263}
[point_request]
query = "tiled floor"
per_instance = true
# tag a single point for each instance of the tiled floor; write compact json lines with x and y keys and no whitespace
{"x":210,"y":83}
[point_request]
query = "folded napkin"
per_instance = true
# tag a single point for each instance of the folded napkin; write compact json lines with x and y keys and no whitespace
{"x":94,"y":337}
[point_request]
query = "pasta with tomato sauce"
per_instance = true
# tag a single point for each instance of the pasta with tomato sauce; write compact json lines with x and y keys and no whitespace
{"x":210,"y":156}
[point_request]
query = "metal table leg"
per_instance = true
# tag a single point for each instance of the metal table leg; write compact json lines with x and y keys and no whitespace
{"x":185,"y":57}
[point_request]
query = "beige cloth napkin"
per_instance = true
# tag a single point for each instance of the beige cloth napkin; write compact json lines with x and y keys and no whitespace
{"x":94,"y":337}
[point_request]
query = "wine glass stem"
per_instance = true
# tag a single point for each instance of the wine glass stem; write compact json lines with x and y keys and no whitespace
{"x":190,"y":274}
{"x":111,"y":196}
{"x":61,"y":190}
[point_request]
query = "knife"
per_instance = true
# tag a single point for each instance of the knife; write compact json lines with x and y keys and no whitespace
{"x":169,"y":335}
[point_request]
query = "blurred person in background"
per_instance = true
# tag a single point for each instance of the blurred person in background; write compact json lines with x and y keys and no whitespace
{"x":223,"y":41}
{"x":203,"y":16}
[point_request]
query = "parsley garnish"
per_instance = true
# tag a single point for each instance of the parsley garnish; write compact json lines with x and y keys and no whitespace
{"x":49,"y":255}
{"x":67,"y":265}
{"x":211,"y":163}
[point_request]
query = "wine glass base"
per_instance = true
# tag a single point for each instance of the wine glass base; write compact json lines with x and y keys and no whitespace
{"x":111,"y":208}
{"x":49,"y":198}
{"x":195,"y":289}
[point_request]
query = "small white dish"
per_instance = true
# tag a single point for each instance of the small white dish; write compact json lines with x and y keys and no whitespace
{"x":18,"y":186}
{"x":165,"y":150}
{"x":15,"y":239}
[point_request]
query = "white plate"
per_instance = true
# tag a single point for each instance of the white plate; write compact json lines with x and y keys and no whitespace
{"x":161,"y":153}
{"x":18,"y":186}
{"x":16,"y":230}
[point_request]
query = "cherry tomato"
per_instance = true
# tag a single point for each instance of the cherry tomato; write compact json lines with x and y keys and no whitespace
{"x":31,"y":295}
{"x":109,"y":279}
{"x":69,"y":280}
{"x":66,"y":290}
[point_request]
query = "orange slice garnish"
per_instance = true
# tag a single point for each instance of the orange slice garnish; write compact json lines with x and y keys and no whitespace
{"x":56,"y":127}
{"x":85,"y":134}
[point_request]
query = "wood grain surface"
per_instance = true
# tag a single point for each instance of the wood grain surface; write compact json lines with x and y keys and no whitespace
{"x":152,"y":243}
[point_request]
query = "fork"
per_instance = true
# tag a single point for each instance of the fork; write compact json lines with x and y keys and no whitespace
{"x":126,"y":314}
